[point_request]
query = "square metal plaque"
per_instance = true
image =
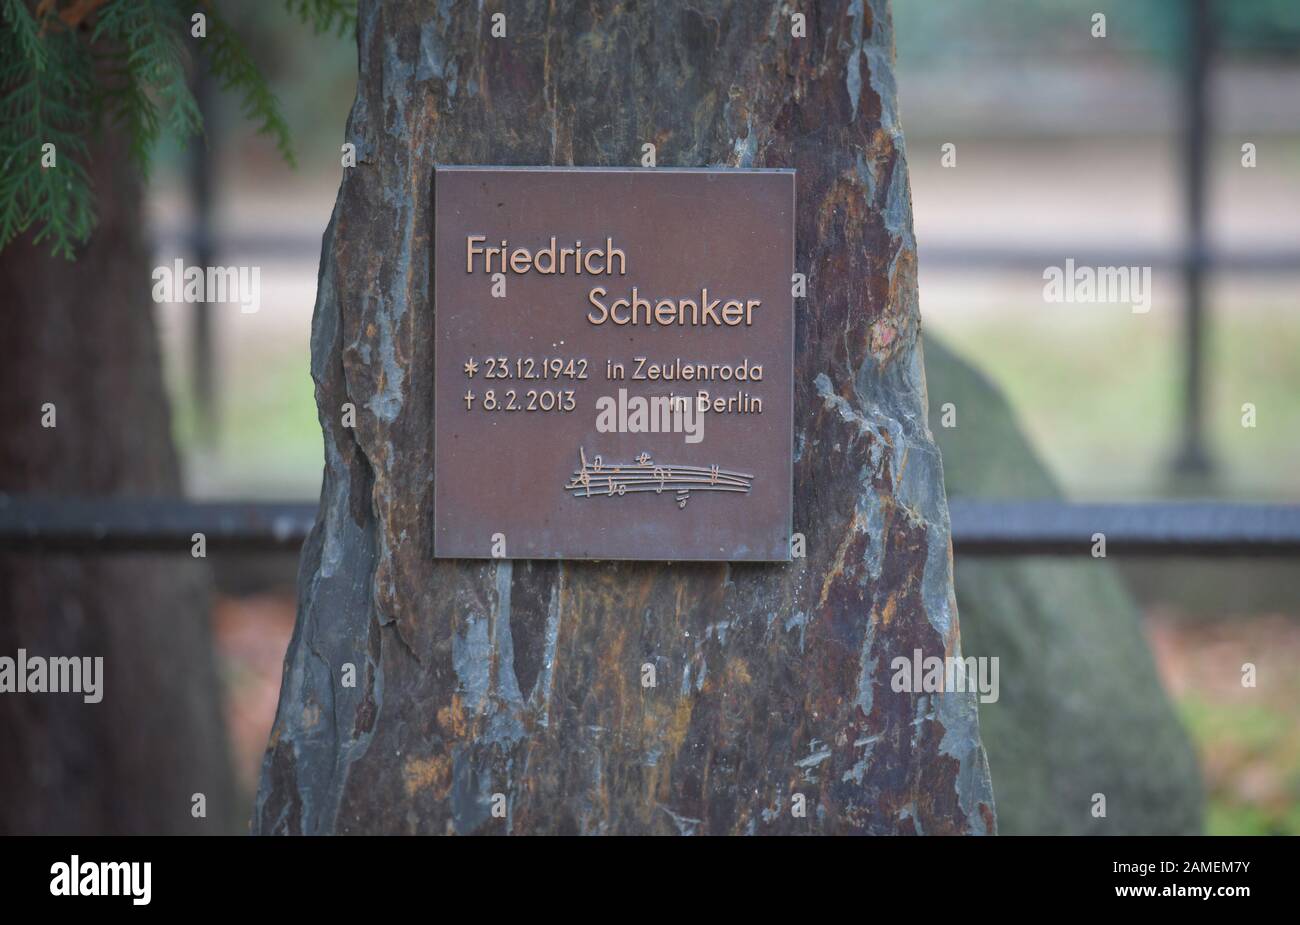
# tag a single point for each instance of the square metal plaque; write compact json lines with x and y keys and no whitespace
{"x":613,"y":363}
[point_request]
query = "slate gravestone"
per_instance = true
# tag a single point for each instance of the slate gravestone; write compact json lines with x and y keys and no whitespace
{"x":526,"y":696}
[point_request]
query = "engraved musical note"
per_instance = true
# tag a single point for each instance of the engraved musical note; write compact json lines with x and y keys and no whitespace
{"x":661,"y":476}
{"x":646,"y":475}
{"x":584,"y":477}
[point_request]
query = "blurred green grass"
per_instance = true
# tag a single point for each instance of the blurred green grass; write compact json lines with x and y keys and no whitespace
{"x":268,"y":442}
{"x":1098,"y":391}
{"x":1253,"y":775}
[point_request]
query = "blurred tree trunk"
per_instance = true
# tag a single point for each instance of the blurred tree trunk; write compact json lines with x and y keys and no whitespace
{"x":80,"y":336}
{"x":518,"y":683}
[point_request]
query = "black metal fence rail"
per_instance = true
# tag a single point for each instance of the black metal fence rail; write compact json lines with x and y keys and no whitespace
{"x":979,"y":528}
{"x":1164,"y":528}
{"x":81,"y":525}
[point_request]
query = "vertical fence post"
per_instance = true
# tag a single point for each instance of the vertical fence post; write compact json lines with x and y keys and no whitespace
{"x":203,"y":251}
{"x":1192,"y":458}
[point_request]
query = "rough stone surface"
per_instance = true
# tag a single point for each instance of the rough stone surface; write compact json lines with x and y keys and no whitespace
{"x":478,"y":678}
{"x":1081,"y":710}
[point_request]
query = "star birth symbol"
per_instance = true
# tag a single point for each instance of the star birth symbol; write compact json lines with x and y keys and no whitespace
{"x":471,"y":368}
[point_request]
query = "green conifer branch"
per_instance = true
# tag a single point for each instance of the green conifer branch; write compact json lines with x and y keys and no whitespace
{"x":124,"y":60}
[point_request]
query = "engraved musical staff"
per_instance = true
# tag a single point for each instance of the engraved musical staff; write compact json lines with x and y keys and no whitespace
{"x":596,"y":478}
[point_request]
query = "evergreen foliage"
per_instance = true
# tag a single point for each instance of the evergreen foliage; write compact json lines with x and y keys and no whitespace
{"x":67,"y":65}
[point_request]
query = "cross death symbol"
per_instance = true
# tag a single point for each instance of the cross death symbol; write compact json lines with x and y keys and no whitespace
{"x":469,"y":399}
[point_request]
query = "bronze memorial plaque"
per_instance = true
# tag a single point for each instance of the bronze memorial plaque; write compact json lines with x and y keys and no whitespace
{"x":613,"y":363}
